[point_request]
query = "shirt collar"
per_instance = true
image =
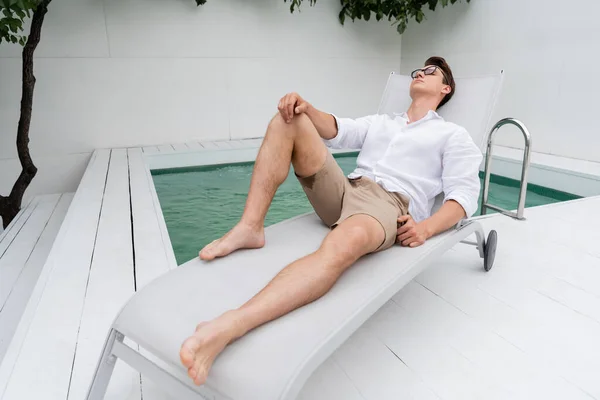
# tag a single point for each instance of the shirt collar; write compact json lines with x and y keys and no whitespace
{"x":430,"y":115}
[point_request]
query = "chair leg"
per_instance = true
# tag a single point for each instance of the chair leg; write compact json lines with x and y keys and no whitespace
{"x":480,"y":234}
{"x":105,"y":367}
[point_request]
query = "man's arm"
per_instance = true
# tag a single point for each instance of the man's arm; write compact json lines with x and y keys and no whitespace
{"x":292,"y":104}
{"x":415,"y":234}
{"x":337,"y":132}
{"x":449,"y":214}
{"x":325,"y":123}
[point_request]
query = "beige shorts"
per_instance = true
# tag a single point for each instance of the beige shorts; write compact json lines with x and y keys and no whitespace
{"x":335,"y":198}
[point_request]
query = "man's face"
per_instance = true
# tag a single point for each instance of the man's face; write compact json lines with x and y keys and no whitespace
{"x":428,"y":80}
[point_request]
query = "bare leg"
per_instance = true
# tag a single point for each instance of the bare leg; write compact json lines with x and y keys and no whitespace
{"x":300,"y":283}
{"x":297,"y":143}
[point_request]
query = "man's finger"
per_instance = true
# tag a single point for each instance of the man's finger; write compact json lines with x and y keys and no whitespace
{"x":404,"y":229}
{"x":416,"y":243}
{"x":408,"y":241}
{"x":405,"y":236}
{"x":283,"y":107}
{"x":301,"y":108}
{"x":403,"y":218}
{"x":290,"y":109}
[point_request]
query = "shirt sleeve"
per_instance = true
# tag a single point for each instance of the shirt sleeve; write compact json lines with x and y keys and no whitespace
{"x":351,"y":132}
{"x":460,"y":175}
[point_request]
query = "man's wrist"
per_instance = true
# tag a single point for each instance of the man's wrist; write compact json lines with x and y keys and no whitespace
{"x":310,"y":110}
{"x":428,"y":228}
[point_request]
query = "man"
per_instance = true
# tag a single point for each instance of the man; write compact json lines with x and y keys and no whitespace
{"x":403,"y":164}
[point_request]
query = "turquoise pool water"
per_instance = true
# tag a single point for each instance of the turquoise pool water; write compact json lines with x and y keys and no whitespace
{"x":202,"y":204}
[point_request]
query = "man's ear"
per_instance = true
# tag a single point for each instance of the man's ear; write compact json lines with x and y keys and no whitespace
{"x":446,"y":89}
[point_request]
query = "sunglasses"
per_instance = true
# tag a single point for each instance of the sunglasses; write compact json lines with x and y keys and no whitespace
{"x":428,"y":71}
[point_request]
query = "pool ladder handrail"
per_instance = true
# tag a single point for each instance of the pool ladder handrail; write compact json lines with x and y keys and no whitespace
{"x":488,"y":162}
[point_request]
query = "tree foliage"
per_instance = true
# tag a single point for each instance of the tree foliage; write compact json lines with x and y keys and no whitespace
{"x":398,"y":11}
{"x":12,"y":17}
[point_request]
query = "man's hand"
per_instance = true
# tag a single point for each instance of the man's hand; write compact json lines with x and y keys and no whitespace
{"x":292,"y":104}
{"x":412,"y":234}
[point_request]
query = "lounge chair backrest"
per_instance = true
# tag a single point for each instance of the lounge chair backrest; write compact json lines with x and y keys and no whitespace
{"x":471,"y":106}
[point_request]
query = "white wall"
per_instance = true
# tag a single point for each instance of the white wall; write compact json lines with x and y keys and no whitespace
{"x":119,"y":73}
{"x":548,"y":50}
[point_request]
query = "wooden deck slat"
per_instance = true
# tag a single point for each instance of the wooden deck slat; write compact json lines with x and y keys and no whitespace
{"x":236,"y":144}
{"x":224,"y":144}
{"x":441,"y":367}
{"x":148,"y":150}
{"x":16,"y":223}
{"x":507,"y":366}
{"x":560,"y":341}
{"x":180,"y":147}
{"x":41,"y":367}
{"x":111,"y":283}
{"x":329,"y":382}
{"x":14,"y":307}
{"x":194,"y":146}
{"x":15,"y":257}
{"x":152,"y":257}
{"x":13,"y":229}
{"x":161,"y":221}
{"x":210,"y":145}
{"x":165,"y":148}
{"x":363,"y":357}
{"x":570,"y":296}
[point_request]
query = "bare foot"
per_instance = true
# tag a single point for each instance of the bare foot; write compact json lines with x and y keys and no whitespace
{"x":240,"y":237}
{"x":198,"y":352}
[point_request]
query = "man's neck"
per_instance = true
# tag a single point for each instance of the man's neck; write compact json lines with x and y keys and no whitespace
{"x":419,"y":108}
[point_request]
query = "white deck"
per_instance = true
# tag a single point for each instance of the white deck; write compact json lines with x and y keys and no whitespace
{"x":24,"y":246}
{"x":530,"y":328}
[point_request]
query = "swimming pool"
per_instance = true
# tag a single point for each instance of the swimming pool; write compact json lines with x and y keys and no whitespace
{"x":201,"y":204}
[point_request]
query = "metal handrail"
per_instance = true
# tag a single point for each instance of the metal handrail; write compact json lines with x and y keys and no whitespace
{"x":488,"y":162}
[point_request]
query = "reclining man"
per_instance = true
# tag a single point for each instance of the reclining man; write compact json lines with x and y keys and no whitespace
{"x":403,"y":164}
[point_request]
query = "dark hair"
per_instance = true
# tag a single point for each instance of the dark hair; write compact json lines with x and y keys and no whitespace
{"x":448,"y":79}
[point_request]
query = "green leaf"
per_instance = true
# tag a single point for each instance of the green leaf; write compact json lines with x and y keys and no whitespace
{"x":342,"y":16}
{"x":444,"y":3}
{"x":14,"y":24}
{"x":419,"y":17}
{"x":401,"y":27}
{"x":432,"y":4}
{"x":200,"y":2}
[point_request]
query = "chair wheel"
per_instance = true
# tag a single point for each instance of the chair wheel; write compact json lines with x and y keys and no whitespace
{"x":489,"y":250}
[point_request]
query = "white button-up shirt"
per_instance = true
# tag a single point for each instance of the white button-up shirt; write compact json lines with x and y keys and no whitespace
{"x":420,"y":159}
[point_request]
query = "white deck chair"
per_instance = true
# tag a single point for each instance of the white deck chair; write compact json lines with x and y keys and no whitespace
{"x":275,"y":360}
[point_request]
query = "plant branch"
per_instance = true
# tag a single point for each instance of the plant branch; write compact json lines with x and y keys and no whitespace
{"x":29,"y":170}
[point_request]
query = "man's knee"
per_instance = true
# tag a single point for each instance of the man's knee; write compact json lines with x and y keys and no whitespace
{"x":347,"y":243}
{"x":299,"y":124}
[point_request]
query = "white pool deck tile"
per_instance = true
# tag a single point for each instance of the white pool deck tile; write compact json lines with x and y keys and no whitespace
{"x":529,"y":328}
